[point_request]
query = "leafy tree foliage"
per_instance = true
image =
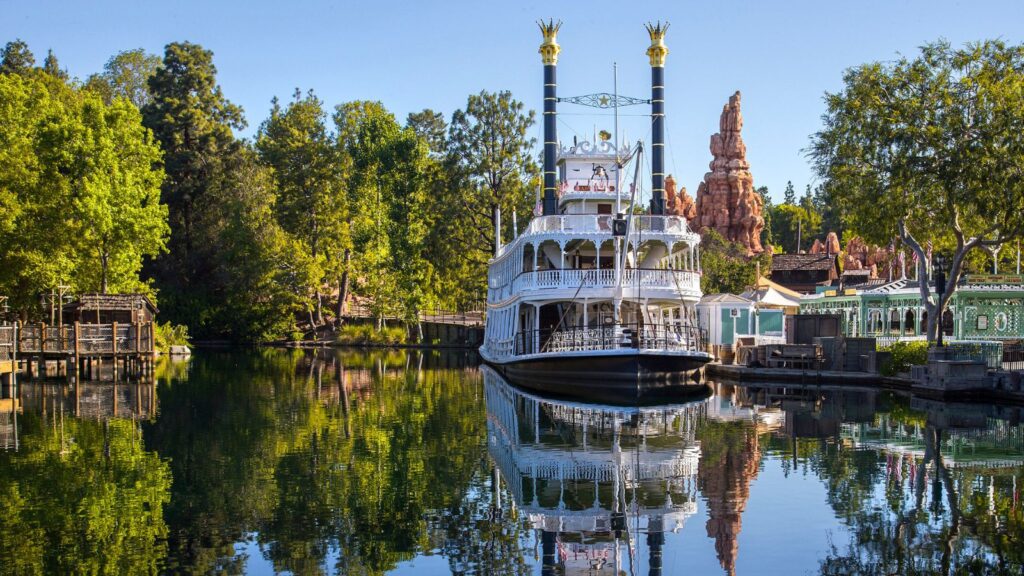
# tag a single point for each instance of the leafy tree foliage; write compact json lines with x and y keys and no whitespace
{"x":793,"y":225}
{"x":193,"y":122}
{"x":789,"y":195}
{"x":930,"y":148}
{"x":388,"y":190}
{"x":726,"y":266}
{"x":16,"y":58}
{"x":489,"y":168}
{"x":79,"y":188}
{"x":310,"y":206}
{"x":431,"y":127}
{"x":126,"y":75}
{"x":52,"y":67}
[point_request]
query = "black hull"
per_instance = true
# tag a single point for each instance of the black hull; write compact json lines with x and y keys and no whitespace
{"x":619,"y":379}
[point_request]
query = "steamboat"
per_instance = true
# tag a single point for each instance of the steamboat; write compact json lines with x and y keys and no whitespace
{"x":597,"y":295}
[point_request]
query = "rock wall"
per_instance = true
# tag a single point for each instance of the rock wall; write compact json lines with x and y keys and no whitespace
{"x":726,"y":199}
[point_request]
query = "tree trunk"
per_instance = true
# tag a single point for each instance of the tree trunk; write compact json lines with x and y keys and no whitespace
{"x":343,"y":284}
{"x":104,"y":264}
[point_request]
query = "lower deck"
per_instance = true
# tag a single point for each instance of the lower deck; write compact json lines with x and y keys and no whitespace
{"x":525,"y":330}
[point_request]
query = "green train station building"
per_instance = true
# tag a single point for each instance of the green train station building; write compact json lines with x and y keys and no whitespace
{"x":984,"y":307}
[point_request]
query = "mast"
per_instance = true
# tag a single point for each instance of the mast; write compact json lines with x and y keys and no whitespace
{"x":618,"y":158}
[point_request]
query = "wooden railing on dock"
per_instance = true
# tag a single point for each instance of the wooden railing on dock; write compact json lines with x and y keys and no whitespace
{"x":76,"y":340}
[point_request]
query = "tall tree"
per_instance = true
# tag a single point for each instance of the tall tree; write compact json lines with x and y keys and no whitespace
{"x":766,"y":213}
{"x":789,"y":195}
{"x":388,"y":189}
{"x":311,"y":205}
{"x":193,"y":122}
{"x":79,"y":183}
{"x":431,"y":127}
{"x":794,"y":226}
{"x":52,"y":67}
{"x":116,"y":195}
{"x":489,"y":168}
{"x":261,"y":277}
{"x":126,"y":75}
{"x":931,"y":149}
{"x":16,"y":58}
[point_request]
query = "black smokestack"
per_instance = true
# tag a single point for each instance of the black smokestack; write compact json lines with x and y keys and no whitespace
{"x":657,"y":53}
{"x":549,"y":50}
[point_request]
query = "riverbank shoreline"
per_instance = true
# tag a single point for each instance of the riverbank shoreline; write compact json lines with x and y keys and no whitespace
{"x":745,"y":375}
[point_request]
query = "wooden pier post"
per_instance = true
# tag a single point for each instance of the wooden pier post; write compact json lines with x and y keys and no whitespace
{"x":113,"y":338}
{"x":78,"y":352}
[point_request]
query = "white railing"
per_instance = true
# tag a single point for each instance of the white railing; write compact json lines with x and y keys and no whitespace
{"x":584,"y":223}
{"x":668,"y":337}
{"x":889,"y":340}
{"x":679,"y":280}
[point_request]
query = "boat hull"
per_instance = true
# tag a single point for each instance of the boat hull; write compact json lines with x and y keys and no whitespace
{"x":618,"y":378}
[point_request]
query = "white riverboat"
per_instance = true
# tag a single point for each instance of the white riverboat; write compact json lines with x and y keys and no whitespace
{"x":596,"y":296}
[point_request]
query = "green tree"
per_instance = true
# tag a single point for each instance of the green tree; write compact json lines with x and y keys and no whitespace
{"x":789,"y":195}
{"x":489,"y":168}
{"x":311,"y":204}
{"x":766,"y":213}
{"x":79,"y":188}
{"x":930,"y":149}
{"x":117,"y":196}
{"x":794,"y":226}
{"x":431,"y":127}
{"x":726,"y":267}
{"x":388,"y":188}
{"x":16,"y":58}
{"x":193,"y":122}
{"x":261,"y":277}
{"x":126,"y":75}
{"x":52,"y":67}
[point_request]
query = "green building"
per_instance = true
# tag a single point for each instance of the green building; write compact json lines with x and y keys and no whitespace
{"x":984,"y":307}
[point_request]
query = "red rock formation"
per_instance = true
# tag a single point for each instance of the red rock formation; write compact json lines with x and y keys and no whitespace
{"x":681,"y":204}
{"x":726,"y":199}
{"x":829,"y":246}
{"x":861,"y":256}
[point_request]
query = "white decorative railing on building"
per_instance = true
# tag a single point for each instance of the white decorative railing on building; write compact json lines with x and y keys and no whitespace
{"x":602,"y":223}
{"x":680,"y":280}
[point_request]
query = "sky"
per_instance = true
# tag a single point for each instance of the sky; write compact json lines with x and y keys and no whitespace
{"x":782,"y":56}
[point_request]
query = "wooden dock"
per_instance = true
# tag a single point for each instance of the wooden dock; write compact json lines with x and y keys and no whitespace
{"x":76,"y":349}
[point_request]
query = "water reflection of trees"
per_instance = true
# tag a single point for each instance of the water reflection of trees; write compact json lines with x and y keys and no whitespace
{"x":360,"y":462}
{"x":81,"y":496}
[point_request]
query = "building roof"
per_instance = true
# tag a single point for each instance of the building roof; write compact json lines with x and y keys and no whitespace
{"x":111,"y":302}
{"x":724,"y":299}
{"x":790,"y":262}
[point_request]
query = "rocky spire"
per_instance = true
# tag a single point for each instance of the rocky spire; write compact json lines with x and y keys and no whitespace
{"x":726,"y":199}
{"x":678,"y":203}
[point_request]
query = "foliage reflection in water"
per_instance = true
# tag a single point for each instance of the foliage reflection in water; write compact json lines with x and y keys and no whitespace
{"x":322,"y":463}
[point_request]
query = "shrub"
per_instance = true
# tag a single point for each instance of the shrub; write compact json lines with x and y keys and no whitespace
{"x":166,"y":335}
{"x":905,"y":355}
{"x":367,"y":334}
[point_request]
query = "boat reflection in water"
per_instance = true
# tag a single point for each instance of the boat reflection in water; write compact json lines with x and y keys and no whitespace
{"x":603,"y":484}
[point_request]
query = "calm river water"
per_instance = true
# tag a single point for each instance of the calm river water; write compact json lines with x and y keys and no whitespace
{"x":276,"y":461}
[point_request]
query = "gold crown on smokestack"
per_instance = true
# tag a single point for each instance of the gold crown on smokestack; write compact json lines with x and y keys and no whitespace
{"x":549,"y":48}
{"x":658,"y":51}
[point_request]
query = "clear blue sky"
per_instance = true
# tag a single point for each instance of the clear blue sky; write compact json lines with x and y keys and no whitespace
{"x":419,"y":54}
